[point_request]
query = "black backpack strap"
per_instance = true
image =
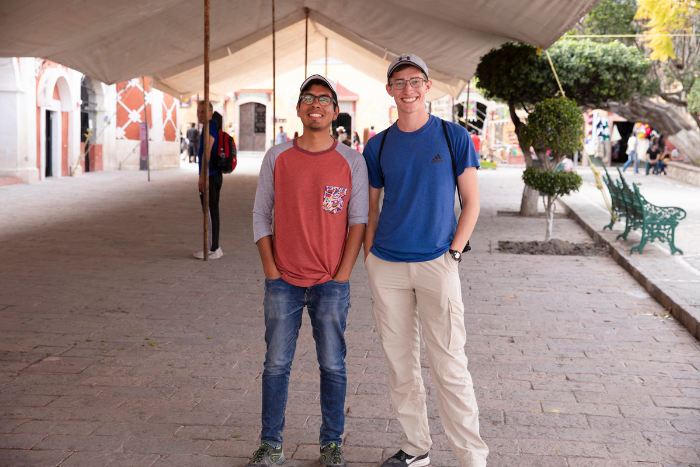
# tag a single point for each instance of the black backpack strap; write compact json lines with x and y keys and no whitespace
{"x":379,"y":158}
{"x":454,"y":163}
{"x":467,"y":247}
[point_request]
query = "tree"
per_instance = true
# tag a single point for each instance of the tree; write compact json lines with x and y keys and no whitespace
{"x":554,"y":129}
{"x":590,"y":72}
{"x":611,"y":17}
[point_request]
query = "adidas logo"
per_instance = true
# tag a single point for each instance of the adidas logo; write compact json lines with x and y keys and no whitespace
{"x":436,"y":159}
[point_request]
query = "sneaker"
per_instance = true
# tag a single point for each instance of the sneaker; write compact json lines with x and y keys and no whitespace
{"x":267,"y":456}
{"x":401,"y":459}
{"x":212,"y":254}
{"x":332,"y":455}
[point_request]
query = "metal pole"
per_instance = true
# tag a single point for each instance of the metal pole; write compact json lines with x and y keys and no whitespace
{"x":145,"y":117}
{"x":205,"y":132}
{"x":274,"y":89}
{"x":466,"y":116}
{"x":306,"y":45}
{"x":326,"y":75}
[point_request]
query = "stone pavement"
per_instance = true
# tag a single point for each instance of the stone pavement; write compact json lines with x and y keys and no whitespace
{"x":674,"y":280}
{"x":119,"y":349}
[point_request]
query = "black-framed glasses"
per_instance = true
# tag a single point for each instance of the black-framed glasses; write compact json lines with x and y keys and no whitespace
{"x":309,"y":99}
{"x":401,"y":83}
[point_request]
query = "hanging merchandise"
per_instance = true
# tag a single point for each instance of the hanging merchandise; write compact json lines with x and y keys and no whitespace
{"x":615,"y":135}
{"x":592,"y":137}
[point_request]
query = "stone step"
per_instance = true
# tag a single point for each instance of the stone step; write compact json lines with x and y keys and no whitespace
{"x":6,"y":181}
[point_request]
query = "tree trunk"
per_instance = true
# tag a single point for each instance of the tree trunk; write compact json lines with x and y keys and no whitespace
{"x":549,"y":210}
{"x":670,"y":120}
{"x":528,"y":203}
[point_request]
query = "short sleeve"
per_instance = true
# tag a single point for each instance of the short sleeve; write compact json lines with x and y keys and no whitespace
{"x":371,"y":155}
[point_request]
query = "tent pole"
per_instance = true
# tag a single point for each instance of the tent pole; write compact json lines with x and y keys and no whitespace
{"x":326,"y":75}
{"x":274,"y":88}
{"x":306,"y":45}
{"x":466,"y":115}
{"x":145,"y":117}
{"x":205,"y":133}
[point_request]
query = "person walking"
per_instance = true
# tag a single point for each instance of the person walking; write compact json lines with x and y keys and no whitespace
{"x":632,"y":153}
{"x":412,"y":254}
{"x":193,"y":146}
{"x":318,"y":190}
{"x":371,"y":133}
{"x":215,"y":182}
{"x":356,"y":141}
{"x":281,"y":137}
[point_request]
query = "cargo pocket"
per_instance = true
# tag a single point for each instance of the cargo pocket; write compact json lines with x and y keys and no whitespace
{"x":458,"y":335}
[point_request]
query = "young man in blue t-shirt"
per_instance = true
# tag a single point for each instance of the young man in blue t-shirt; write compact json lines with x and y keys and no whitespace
{"x":215,"y":182}
{"x":412,"y":255}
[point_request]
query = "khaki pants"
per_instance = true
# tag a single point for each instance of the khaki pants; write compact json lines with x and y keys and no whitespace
{"x":402,"y":295}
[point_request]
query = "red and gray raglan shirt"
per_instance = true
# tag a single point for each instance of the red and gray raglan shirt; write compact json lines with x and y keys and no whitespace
{"x":316,"y":197}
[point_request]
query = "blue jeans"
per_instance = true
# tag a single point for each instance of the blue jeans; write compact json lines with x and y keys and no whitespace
{"x":632,"y":156}
{"x":328,"y":305}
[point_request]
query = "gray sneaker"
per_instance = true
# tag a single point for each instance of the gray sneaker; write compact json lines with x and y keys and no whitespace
{"x":332,"y":455}
{"x":267,"y":456}
{"x":401,"y":459}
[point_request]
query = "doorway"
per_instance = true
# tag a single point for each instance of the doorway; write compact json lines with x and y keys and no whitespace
{"x":88,"y":112}
{"x":48,"y":166}
{"x":345,"y":120}
{"x":253,"y":127}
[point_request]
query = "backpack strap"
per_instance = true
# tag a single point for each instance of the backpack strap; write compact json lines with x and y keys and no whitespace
{"x":454,"y":163}
{"x":467,"y":247}
{"x":379,"y":158}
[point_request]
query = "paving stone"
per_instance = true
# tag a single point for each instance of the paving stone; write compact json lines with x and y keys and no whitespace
{"x":572,"y":363}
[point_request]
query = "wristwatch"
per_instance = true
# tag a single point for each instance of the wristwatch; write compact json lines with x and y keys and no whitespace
{"x":456,"y":255}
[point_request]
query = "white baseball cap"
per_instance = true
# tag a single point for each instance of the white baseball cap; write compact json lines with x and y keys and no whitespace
{"x":328,"y":82}
{"x":407,"y":59}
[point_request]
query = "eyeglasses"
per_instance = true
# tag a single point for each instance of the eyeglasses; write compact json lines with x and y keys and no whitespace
{"x":309,"y":99}
{"x":401,"y":83}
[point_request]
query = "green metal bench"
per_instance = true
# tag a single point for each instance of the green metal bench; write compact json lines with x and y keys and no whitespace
{"x":656,"y":222}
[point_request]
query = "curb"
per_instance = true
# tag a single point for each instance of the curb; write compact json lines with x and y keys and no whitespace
{"x":669,"y":300}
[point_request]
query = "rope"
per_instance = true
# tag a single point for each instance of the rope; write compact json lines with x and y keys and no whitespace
{"x":555,"y":74}
{"x":641,"y":36}
{"x":599,"y":184}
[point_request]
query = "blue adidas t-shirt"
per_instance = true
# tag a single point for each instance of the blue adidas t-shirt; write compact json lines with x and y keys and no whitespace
{"x":214,"y":132}
{"x":417,"y":222}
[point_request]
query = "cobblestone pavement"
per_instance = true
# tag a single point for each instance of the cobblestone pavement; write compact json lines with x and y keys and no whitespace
{"x":119,"y":349}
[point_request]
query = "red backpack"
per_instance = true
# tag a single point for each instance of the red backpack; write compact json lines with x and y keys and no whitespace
{"x":225,"y":160}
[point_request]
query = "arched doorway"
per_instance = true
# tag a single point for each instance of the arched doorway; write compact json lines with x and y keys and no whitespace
{"x":345,"y":120}
{"x":253,"y":127}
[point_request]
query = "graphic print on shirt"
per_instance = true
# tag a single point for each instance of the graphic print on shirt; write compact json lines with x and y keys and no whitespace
{"x":333,"y":199}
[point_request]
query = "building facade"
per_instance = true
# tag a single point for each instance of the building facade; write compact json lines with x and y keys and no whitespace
{"x":56,"y":122}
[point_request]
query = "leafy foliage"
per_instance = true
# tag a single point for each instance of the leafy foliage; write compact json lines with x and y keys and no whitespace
{"x":664,"y":17}
{"x":612,"y":17}
{"x":555,"y":125}
{"x":694,"y":98}
{"x":553,"y":184}
{"x":590,"y":72}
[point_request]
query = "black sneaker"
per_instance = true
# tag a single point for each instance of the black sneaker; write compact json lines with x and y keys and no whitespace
{"x":267,"y":456}
{"x":401,"y":459}
{"x":332,"y":455}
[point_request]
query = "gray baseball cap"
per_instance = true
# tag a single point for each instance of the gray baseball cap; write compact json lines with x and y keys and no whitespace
{"x":328,"y":82}
{"x":407,"y":59}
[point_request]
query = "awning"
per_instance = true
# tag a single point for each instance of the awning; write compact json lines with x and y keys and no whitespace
{"x":117,"y":41}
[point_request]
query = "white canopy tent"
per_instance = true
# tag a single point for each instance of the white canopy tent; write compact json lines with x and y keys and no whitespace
{"x":116,"y":41}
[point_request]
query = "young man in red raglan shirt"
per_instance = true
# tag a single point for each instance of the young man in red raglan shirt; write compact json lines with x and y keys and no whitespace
{"x":319,"y":192}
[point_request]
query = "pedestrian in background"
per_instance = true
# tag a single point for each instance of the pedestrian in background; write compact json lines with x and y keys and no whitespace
{"x":477,"y":143}
{"x":632,"y":153}
{"x":193,"y":146}
{"x":215,"y":180}
{"x":652,"y":156}
{"x":356,"y":141}
{"x":281,"y":137}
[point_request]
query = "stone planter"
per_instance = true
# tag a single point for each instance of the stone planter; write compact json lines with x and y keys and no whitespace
{"x":682,"y":172}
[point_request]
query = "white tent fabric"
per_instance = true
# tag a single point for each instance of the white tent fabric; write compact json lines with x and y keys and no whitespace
{"x":116,"y":41}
